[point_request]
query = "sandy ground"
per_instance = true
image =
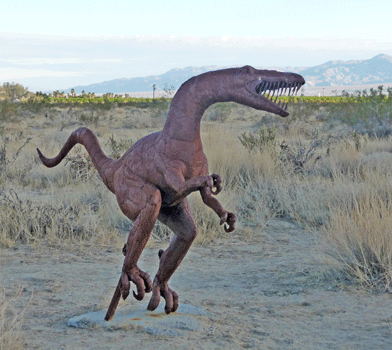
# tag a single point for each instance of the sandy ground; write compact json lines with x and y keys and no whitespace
{"x":265,"y":293}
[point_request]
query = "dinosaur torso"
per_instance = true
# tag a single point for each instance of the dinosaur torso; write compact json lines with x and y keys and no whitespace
{"x":153,"y":156}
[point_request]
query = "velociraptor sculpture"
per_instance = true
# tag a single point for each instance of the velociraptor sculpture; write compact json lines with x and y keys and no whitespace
{"x":153,"y":178}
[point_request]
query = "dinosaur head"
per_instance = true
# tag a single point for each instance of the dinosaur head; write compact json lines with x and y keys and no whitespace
{"x":260,"y":89}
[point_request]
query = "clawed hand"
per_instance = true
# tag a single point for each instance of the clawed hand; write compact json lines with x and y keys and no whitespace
{"x":229,"y":220}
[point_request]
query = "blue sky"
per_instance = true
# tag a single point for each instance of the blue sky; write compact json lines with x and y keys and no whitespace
{"x":59,"y":44}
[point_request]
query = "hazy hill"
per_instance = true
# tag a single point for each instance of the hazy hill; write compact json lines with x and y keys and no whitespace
{"x":377,"y":70}
{"x":174,"y":77}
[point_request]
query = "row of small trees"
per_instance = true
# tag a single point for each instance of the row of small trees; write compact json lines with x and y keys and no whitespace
{"x":13,"y":92}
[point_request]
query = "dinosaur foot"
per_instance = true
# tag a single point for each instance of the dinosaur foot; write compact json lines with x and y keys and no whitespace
{"x":171,"y":297}
{"x":141,"y":280}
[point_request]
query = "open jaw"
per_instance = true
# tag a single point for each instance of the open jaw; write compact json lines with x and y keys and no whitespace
{"x":271,"y":90}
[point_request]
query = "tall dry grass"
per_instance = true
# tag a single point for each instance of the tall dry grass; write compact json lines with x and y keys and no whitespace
{"x":358,"y":239}
{"x":321,"y":174}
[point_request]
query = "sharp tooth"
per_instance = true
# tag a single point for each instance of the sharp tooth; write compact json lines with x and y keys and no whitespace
{"x":268,"y":89}
{"x":277,"y":92}
{"x":298,"y":87}
{"x":273,"y":90}
{"x":289,"y":89}
{"x":275,"y":87}
{"x":263,"y":86}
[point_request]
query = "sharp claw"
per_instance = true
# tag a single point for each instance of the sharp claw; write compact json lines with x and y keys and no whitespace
{"x":175,"y":301}
{"x":148,"y":287}
{"x":229,"y":228}
{"x":168,"y":296}
{"x":154,"y":302}
{"x":125,"y":294}
{"x":125,"y":286}
{"x":137,"y":296}
{"x":217,"y":184}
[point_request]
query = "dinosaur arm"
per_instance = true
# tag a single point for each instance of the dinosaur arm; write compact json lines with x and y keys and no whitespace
{"x":226,"y":217}
{"x":177,"y":188}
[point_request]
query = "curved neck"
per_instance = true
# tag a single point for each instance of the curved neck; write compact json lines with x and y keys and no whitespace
{"x":189,"y":104}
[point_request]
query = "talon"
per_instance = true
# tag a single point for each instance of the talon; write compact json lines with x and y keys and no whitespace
{"x":169,"y":301}
{"x":228,"y":228}
{"x":141,"y":280}
{"x":229,"y":222}
{"x":170,"y":296}
{"x":161,"y":251}
{"x":154,"y":301}
{"x":147,"y":281}
{"x":175,"y":301}
{"x":217,"y":183}
{"x":137,"y":296}
{"x":125,"y":286}
{"x":124,"y":250}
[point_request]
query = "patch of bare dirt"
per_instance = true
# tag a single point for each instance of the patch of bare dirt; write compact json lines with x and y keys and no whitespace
{"x":265,"y":293}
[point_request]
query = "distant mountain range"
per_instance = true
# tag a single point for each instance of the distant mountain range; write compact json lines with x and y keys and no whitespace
{"x":377,"y":70}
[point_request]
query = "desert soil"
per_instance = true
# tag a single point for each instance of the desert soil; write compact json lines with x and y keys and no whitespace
{"x":263,"y":293}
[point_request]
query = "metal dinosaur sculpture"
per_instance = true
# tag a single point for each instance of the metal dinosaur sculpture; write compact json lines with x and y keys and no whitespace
{"x":153,"y":178}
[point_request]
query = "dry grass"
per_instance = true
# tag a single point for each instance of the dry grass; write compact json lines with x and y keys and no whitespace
{"x":10,"y":322}
{"x":320,"y":174}
{"x":358,"y":236}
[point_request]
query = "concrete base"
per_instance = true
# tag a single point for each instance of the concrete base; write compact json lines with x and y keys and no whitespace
{"x":136,"y":316}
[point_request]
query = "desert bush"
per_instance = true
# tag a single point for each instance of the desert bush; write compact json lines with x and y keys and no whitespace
{"x":118,"y":148}
{"x":219,"y":112}
{"x":264,"y":138}
{"x":297,"y":154}
{"x":358,"y":243}
{"x":25,"y":221}
{"x":8,"y":110}
{"x":78,"y":217}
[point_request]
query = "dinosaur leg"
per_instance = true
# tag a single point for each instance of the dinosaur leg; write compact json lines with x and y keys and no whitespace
{"x":179,"y":219}
{"x":146,"y":215}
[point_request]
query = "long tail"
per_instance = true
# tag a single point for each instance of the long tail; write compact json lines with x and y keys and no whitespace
{"x":85,"y":136}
